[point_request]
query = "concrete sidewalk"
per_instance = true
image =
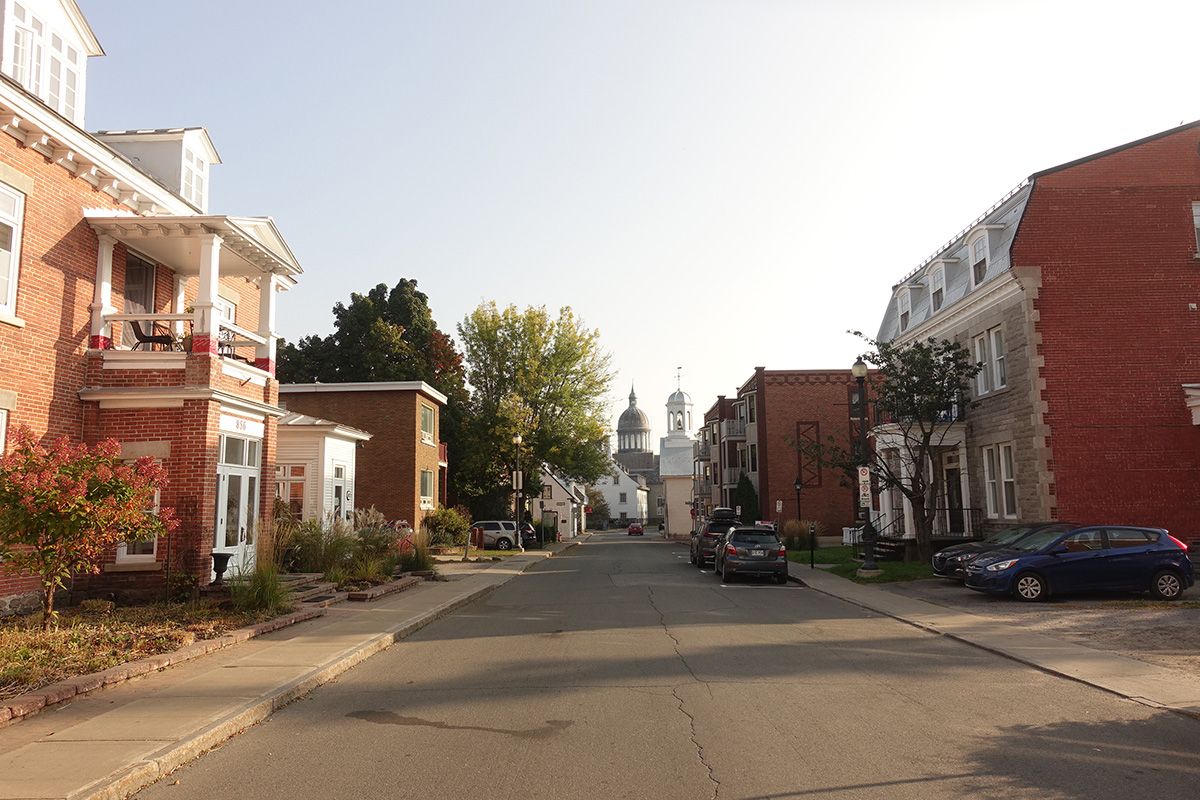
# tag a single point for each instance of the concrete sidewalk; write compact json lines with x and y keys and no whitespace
{"x":1144,"y":683}
{"x":115,"y":742}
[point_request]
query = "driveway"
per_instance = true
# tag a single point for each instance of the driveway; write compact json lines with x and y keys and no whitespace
{"x":1133,"y":625}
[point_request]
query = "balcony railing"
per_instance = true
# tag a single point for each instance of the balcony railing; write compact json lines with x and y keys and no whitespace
{"x":734,"y":428}
{"x":234,"y":341}
{"x":703,"y":451}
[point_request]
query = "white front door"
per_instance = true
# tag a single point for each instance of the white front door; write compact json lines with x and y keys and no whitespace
{"x":237,"y":502}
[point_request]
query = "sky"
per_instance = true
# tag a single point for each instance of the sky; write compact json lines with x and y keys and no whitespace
{"x":714,"y":185}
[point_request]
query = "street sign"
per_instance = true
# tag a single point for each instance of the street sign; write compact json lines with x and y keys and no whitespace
{"x":738,"y":511}
{"x":864,"y":487}
{"x":778,"y":506}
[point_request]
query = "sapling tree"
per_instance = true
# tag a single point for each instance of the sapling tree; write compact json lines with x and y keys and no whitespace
{"x":63,"y":506}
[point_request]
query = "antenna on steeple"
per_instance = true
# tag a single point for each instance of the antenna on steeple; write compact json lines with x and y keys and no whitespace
{"x":679,"y":378}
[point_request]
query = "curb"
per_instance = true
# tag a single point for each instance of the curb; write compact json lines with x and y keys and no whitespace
{"x":26,"y":705}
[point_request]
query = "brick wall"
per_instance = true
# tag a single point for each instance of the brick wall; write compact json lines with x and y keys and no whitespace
{"x":1113,"y":243}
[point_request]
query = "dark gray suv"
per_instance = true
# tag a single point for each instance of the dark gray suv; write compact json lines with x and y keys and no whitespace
{"x":704,"y":541}
{"x":751,"y":550}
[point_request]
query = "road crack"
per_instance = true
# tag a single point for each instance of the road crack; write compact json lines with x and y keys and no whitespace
{"x":693,"y":734}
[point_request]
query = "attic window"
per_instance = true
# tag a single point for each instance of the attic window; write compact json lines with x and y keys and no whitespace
{"x":937,"y":286}
{"x":195,"y":178}
{"x":905,"y":305}
{"x":979,"y":259}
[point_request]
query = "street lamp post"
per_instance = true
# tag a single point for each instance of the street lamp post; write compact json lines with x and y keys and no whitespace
{"x":518,"y":484}
{"x":869,"y":567}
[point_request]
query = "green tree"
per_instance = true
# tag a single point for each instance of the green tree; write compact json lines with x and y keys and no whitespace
{"x":917,"y":396}
{"x":544,"y":378}
{"x":746,"y":497}
{"x":601,"y":513}
{"x":62,"y":507}
{"x":388,"y":335}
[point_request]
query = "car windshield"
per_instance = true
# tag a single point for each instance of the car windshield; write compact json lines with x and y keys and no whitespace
{"x":1039,"y":539}
{"x":755,"y":537}
{"x":1008,"y":535}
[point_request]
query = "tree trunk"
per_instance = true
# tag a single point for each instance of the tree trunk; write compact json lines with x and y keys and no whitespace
{"x":48,"y":604}
{"x":924,"y":529}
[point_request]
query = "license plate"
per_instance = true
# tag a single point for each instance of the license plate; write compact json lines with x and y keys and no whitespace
{"x":758,"y":553}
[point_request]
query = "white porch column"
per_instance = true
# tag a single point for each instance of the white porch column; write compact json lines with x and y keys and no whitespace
{"x":178,"y":301}
{"x":264,"y":354}
{"x":206,"y":328}
{"x":101,"y":333}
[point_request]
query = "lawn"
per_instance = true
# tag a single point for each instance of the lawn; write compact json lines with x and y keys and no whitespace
{"x":840,"y":561}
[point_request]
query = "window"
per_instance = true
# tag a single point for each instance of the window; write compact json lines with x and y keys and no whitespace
{"x":991,"y":487}
{"x":616,"y":479}
{"x":428,"y":489}
{"x":979,"y":259}
{"x":937,"y":286}
{"x":1196,"y":221}
{"x":752,"y":453}
{"x":426,"y":424}
{"x":12,"y":209}
{"x":904,"y":303}
{"x":1122,"y":538}
{"x":195,"y":178}
{"x":132,"y":551}
{"x":983,"y":383}
{"x":226,"y":309}
{"x":751,"y":410}
{"x":1008,"y":481}
{"x":43,"y":62}
{"x":3,"y":431}
{"x":547,"y":492}
{"x":621,"y":498}
{"x":289,"y":488}
{"x":999,"y":376}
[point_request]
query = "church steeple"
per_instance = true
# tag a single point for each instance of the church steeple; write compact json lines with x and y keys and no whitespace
{"x":633,"y":428}
{"x":679,"y":412}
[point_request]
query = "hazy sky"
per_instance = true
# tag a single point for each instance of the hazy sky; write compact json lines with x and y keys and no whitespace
{"x":713,"y":184}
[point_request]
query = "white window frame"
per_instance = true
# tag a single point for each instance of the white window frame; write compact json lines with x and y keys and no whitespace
{"x":751,"y":409}
{"x":996,"y":353}
{"x":623,"y":498}
{"x":3,"y":431}
{"x":991,"y":486}
{"x":904,"y":309}
{"x":752,"y":457}
{"x":123,"y":554}
{"x":983,"y":380}
{"x":937,"y":289}
{"x":428,"y":484}
{"x":427,"y":432}
{"x":195,"y":178}
{"x":13,"y":219}
{"x":1008,"y":480}
{"x":1196,"y":221}
{"x":974,"y":248}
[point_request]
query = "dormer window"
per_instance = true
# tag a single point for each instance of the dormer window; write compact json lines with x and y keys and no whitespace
{"x":979,"y":259}
{"x":46,"y":64}
{"x":904,"y":304}
{"x":195,"y":178}
{"x":937,"y":288}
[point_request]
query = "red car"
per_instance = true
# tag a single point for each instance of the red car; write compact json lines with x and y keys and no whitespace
{"x":635,"y":529}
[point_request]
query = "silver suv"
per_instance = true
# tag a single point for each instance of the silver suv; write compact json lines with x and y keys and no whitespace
{"x":498,"y":534}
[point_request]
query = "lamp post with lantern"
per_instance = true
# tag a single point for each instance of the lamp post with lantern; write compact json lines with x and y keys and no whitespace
{"x":869,"y":569}
{"x":518,"y":486}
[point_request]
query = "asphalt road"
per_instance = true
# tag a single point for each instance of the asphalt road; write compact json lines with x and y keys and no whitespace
{"x":617,"y":670}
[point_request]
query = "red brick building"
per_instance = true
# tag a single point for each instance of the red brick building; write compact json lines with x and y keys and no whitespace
{"x":1079,"y":293}
{"x":91,"y":244}
{"x":402,"y":469}
{"x":756,"y":433}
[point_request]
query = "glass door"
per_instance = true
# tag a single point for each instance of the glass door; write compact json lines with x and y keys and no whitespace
{"x":237,"y":502}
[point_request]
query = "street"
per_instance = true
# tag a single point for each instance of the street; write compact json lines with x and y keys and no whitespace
{"x":619,"y":670}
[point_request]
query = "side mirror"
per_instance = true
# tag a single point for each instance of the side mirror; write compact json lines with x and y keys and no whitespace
{"x":1058,"y":551}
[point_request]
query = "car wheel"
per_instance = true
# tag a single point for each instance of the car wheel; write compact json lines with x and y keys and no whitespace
{"x":1030,"y":587}
{"x":503,"y":544}
{"x":726,"y":575}
{"x":781,"y":578}
{"x":692,"y":556}
{"x":1166,"y":585}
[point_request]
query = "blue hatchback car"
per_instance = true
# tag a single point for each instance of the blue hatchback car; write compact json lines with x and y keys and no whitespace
{"x":1085,"y":558}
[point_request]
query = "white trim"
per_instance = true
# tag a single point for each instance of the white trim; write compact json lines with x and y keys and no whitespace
{"x":8,"y":297}
{"x":383,"y":386}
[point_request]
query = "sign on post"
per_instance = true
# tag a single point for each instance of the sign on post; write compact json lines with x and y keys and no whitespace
{"x":864,"y":487}
{"x":778,"y":506}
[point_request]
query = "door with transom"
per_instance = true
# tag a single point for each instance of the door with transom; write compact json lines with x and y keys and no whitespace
{"x":238,"y":473}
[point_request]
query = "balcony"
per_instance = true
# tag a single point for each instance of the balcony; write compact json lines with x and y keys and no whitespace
{"x":703,"y":451}
{"x":730,"y":476}
{"x":733,"y":429}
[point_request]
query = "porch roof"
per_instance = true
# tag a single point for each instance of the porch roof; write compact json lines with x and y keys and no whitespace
{"x":250,"y":246}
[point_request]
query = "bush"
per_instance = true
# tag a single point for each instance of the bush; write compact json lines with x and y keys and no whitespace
{"x":795,"y":533}
{"x":447,"y":527}
{"x":416,"y":559}
{"x":320,"y":548}
{"x":260,"y":590}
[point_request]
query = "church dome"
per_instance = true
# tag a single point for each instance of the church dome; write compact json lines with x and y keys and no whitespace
{"x":633,"y":428}
{"x":679,"y":396}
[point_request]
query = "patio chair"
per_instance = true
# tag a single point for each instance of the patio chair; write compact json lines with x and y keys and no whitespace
{"x":159,"y":340}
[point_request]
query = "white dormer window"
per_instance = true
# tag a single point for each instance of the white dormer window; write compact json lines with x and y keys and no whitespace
{"x":195,"y":178}
{"x":979,"y":259}
{"x":904,"y":305}
{"x":937,"y":288}
{"x":45,"y":63}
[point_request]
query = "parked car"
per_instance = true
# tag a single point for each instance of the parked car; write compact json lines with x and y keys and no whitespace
{"x":1088,"y":558}
{"x":704,"y":541}
{"x":949,"y":563}
{"x":751,"y":550}
{"x":498,"y":534}
{"x":635,"y":529}
{"x":529,"y":537}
